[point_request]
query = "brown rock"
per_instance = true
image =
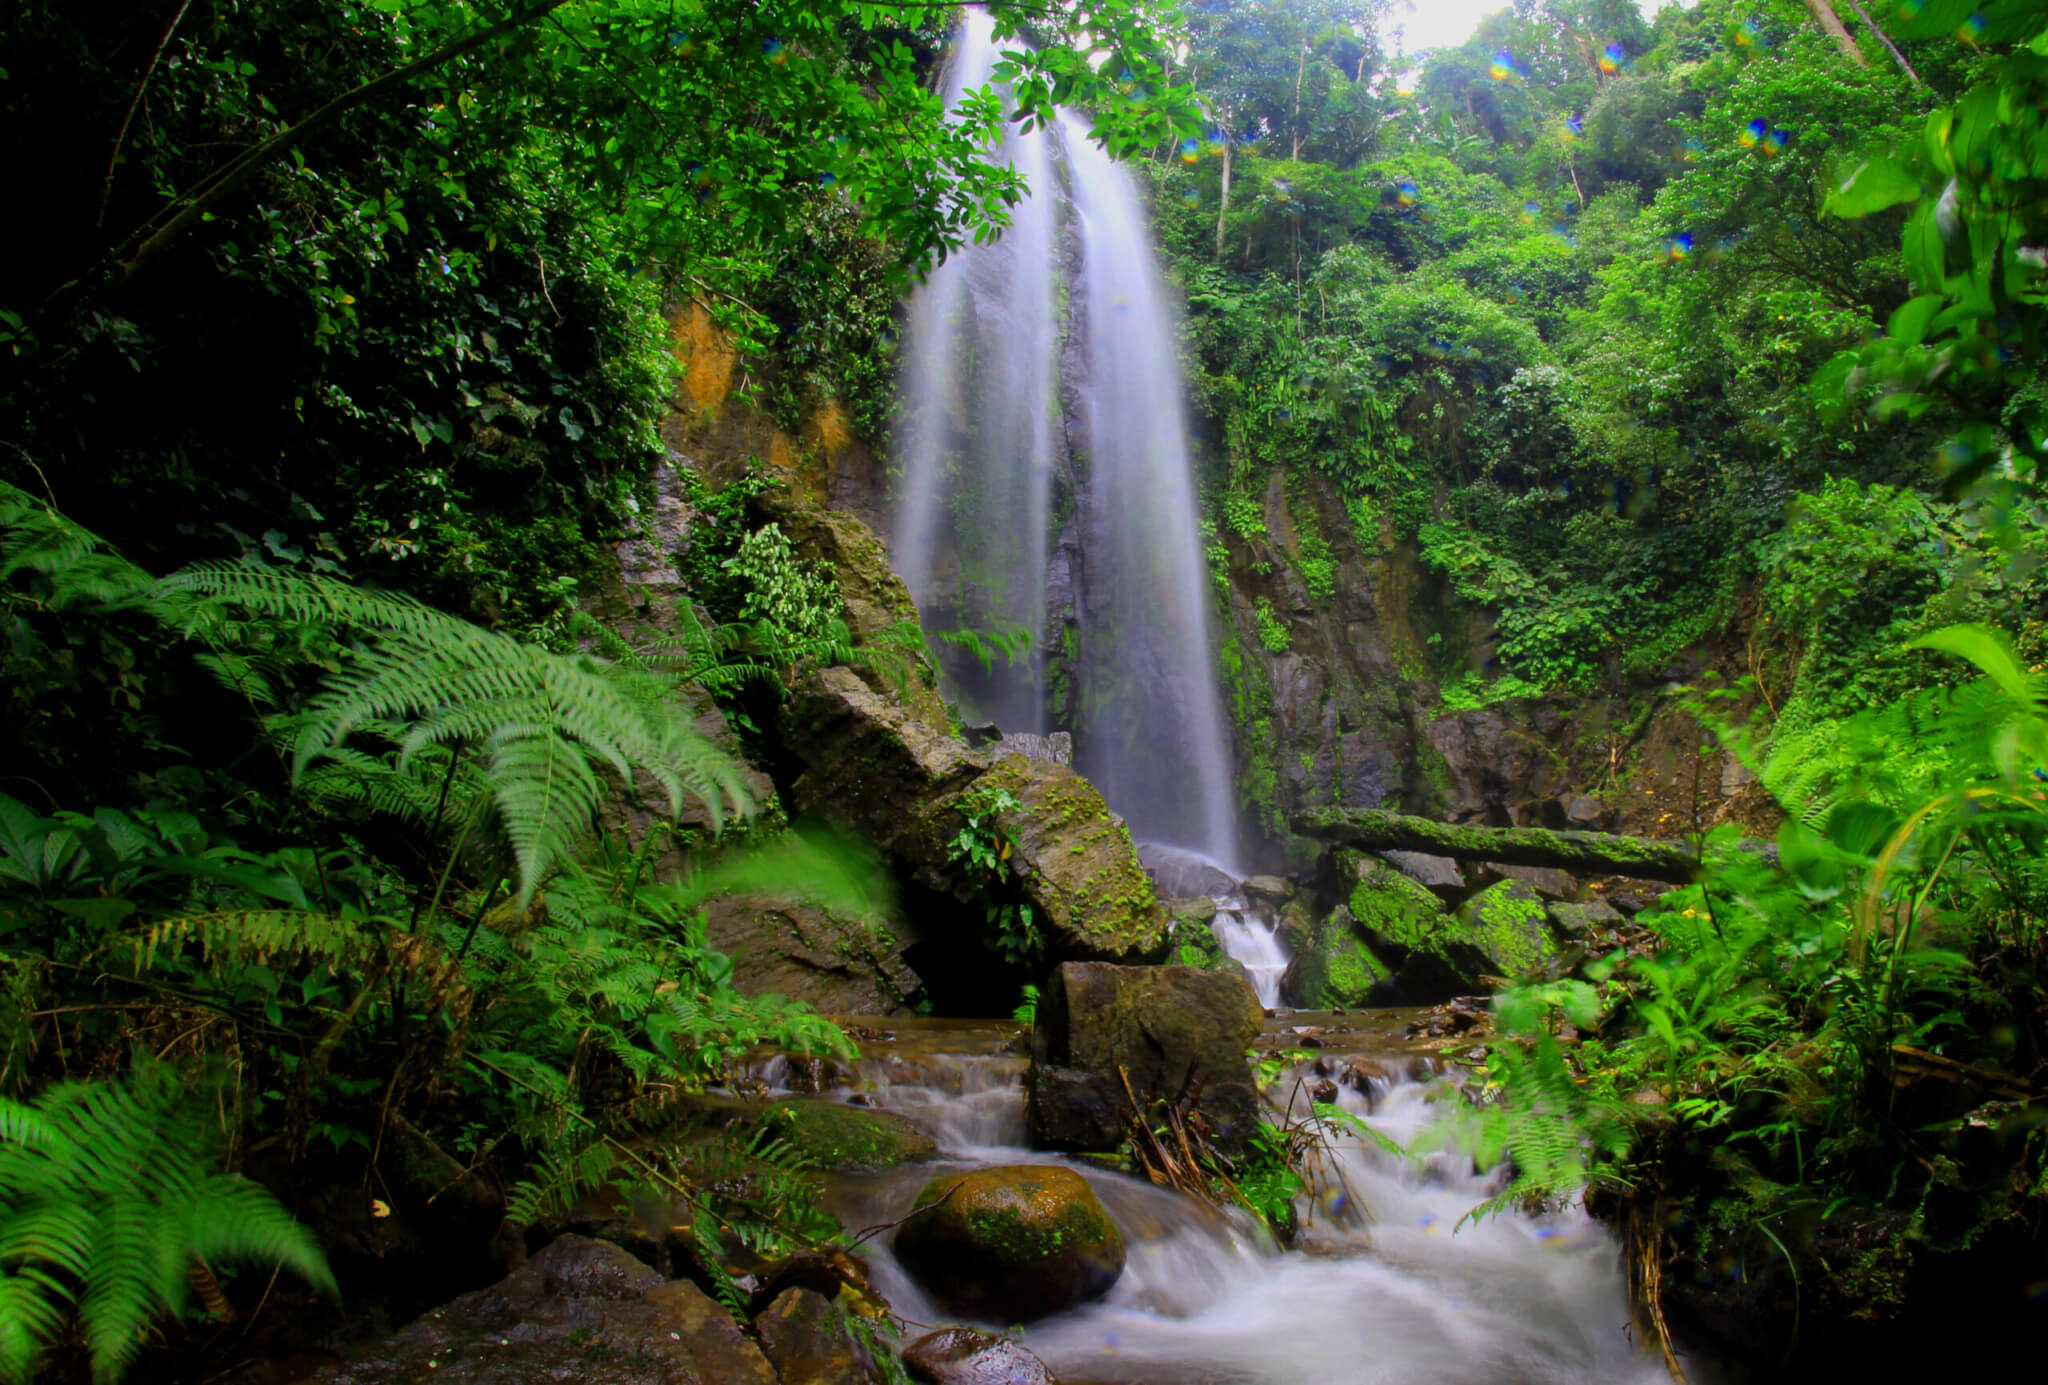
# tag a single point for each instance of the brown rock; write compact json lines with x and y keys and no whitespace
{"x":1175,"y":1030}
{"x":1011,"y":1243}
{"x":962,"y":1356}
{"x":804,"y":1335}
{"x":580,"y":1310}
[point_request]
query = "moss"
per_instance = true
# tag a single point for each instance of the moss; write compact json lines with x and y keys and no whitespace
{"x":846,"y":1137}
{"x":1507,"y":921}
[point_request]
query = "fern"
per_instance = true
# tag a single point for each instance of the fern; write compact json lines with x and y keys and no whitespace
{"x":109,"y":1195}
{"x":540,"y":722}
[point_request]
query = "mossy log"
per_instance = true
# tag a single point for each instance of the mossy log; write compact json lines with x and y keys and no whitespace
{"x":1584,"y":852}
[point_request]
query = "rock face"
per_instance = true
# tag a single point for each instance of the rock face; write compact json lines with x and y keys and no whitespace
{"x":1173,"y":1029}
{"x":804,"y":1336}
{"x":1013,"y":1243}
{"x":580,"y":1310}
{"x":874,"y":766}
{"x":962,"y":1356}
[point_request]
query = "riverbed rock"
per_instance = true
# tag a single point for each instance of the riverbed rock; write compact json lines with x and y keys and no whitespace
{"x":1176,"y":1031}
{"x":1581,"y":920}
{"x":1011,"y":1243}
{"x":875,"y":767}
{"x":580,"y":1310}
{"x":1440,"y":875}
{"x":800,"y":950}
{"x":804,"y":1336}
{"x":846,"y":1138}
{"x":962,"y":1356}
{"x":1337,"y":968}
{"x":1509,"y":925}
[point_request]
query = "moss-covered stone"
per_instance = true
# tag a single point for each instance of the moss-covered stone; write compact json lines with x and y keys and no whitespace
{"x":1338,"y":968}
{"x":1509,"y":925}
{"x":1503,"y":931}
{"x":1011,"y":1243}
{"x":847,"y":1138}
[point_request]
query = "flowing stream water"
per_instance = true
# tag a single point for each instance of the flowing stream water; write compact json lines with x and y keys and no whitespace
{"x":1052,"y":355}
{"x":1385,"y":1285}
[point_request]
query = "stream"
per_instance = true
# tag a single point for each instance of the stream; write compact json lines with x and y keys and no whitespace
{"x":1384,"y":1283}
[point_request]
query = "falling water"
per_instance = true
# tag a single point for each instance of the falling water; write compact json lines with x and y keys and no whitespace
{"x":976,"y":442}
{"x":1151,"y":730}
{"x":982,"y":434}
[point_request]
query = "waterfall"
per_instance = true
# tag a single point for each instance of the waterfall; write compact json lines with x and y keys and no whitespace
{"x":1151,"y":728}
{"x":976,"y":440}
{"x":985,"y":424}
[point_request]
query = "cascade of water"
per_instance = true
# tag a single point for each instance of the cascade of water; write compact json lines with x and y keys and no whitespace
{"x":1151,"y":728}
{"x":1396,"y":1285}
{"x":976,"y":439}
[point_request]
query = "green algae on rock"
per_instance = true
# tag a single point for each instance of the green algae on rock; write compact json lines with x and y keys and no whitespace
{"x":847,"y":1138}
{"x":1011,"y":1243}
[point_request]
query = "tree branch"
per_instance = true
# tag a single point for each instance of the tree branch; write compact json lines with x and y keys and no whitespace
{"x":1373,"y":830}
{"x":188,"y":208}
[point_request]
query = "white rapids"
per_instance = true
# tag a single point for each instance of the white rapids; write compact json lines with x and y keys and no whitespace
{"x":1390,"y":1284}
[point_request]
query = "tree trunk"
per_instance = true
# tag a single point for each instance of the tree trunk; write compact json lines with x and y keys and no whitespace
{"x":1300,"y":66}
{"x":1223,"y":203}
{"x":1824,"y":15}
{"x":1373,"y":830}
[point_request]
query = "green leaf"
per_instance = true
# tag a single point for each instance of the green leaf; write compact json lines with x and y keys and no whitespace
{"x":1861,"y":828}
{"x":1875,"y":185}
{"x":1908,"y":326}
{"x":1811,"y":861}
{"x":1992,"y":653}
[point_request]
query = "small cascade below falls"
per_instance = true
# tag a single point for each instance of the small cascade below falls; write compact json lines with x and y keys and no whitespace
{"x":1007,"y":408}
{"x":1248,"y":934}
{"x":1390,"y":1283}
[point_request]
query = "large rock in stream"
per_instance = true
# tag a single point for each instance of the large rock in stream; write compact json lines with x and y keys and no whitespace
{"x":875,"y":766}
{"x":1177,"y":1032}
{"x":581,"y":1311}
{"x":1011,"y":1243}
{"x":962,"y":1356}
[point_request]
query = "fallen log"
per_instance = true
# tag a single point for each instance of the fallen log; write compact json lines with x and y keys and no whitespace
{"x":1373,"y":829}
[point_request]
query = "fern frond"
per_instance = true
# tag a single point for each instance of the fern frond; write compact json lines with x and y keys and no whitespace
{"x":260,"y":935}
{"x":112,"y":1201}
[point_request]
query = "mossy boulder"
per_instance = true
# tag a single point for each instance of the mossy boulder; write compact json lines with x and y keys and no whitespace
{"x":850,"y":1138}
{"x":1076,"y":865}
{"x":1509,"y":925}
{"x":1503,"y":931}
{"x":1337,"y":969}
{"x":1172,"y":1030}
{"x":1011,"y":1243}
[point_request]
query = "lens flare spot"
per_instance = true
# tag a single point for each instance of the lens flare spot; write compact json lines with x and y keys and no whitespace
{"x":1776,"y":140}
{"x":773,"y":52}
{"x":1191,"y":197}
{"x":1693,"y":149}
{"x":1749,"y":34}
{"x":1612,"y":57}
{"x":1407,"y":194}
{"x":1282,"y":189}
{"x":1678,"y":247}
{"x":684,"y":42}
{"x":1190,"y":151}
{"x":1573,"y":128}
{"x":1503,"y":68}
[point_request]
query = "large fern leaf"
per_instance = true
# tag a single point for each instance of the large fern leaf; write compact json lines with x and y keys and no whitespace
{"x":109,"y":1194}
{"x":541,"y":721}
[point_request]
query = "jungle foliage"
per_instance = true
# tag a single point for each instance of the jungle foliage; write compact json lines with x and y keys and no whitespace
{"x":334,"y":354}
{"x":1551,"y":306}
